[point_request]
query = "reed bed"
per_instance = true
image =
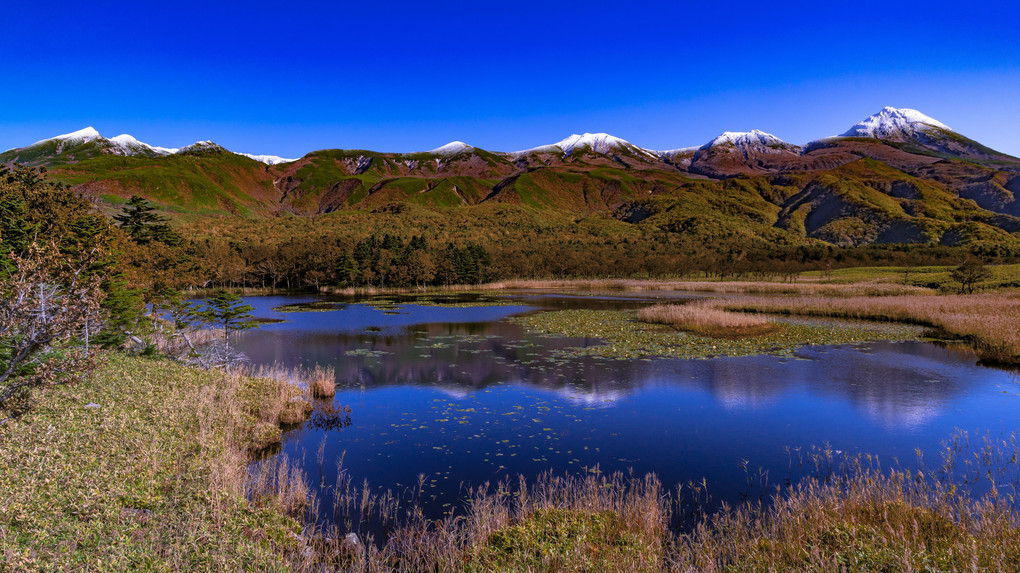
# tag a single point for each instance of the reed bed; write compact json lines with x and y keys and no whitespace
{"x":849,"y":514}
{"x":754,"y":287}
{"x":990,"y":322}
{"x":871,"y":288}
{"x":591,"y":522}
{"x":707,"y":320}
{"x":861,"y":518}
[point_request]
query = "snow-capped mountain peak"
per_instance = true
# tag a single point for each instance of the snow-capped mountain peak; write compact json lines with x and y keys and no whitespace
{"x":127,"y":140}
{"x":129,"y":144}
{"x":893,"y":123}
{"x":599,"y":143}
{"x":452,"y":148}
{"x":200,"y":146}
{"x":753,"y":138}
{"x":86,"y":134}
{"x":267,"y":159}
{"x":596,"y":142}
{"x":80,"y":136}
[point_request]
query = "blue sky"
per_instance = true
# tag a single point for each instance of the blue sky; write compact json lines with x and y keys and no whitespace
{"x":288,"y":78}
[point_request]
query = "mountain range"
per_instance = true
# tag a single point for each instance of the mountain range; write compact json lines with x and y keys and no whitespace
{"x":897,"y":176}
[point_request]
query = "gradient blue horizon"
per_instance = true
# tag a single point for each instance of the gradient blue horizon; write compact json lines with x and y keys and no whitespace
{"x":409,"y":76}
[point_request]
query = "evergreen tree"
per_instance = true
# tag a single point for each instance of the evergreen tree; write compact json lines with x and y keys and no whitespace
{"x":15,"y":230}
{"x":226,"y":308}
{"x":140,"y":221}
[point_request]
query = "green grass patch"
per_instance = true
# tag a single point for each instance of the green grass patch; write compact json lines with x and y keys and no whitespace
{"x":564,"y":540}
{"x":935,"y":277}
{"x":138,"y":468}
{"x":625,"y":336}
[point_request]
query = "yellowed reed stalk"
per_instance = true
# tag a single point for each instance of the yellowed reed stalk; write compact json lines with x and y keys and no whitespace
{"x":173,"y":343}
{"x":419,"y":544}
{"x":323,"y":381}
{"x":704,"y":318}
{"x":698,"y":315}
{"x":291,"y":402}
{"x":866,"y":520}
{"x":991,"y":321}
{"x":278,"y":483}
{"x":761,"y":287}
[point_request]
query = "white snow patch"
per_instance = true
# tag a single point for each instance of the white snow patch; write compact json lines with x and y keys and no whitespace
{"x":268,"y":159}
{"x":452,"y":148}
{"x":131,"y":145}
{"x":679,"y":151}
{"x":892,"y":123}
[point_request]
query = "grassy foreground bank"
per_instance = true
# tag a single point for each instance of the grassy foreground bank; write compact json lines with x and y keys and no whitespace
{"x":145,"y":467}
{"x":142,"y":467}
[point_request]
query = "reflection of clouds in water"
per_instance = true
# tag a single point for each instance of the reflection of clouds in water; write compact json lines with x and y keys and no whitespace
{"x":592,"y":397}
{"x":455,"y":392}
{"x":893,"y":414}
{"x":737,"y":388}
{"x":898,"y":385}
{"x":889,"y":383}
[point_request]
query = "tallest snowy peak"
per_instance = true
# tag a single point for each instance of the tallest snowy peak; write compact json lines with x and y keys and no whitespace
{"x":893,"y":123}
{"x":87,"y":134}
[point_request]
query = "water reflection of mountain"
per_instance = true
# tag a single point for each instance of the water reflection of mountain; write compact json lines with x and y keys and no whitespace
{"x":898,"y":385}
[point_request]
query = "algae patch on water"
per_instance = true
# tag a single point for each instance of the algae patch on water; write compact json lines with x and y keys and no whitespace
{"x":625,"y":336}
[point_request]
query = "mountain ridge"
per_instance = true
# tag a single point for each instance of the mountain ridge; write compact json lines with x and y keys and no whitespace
{"x":896,"y":125}
{"x":922,"y":184}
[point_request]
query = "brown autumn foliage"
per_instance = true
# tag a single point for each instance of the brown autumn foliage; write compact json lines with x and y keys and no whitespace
{"x":49,"y":307}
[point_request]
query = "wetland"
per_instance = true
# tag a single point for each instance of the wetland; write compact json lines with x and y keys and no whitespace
{"x":449,"y":393}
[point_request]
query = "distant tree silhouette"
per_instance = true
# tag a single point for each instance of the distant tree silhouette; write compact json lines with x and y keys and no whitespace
{"x":969,"y":274}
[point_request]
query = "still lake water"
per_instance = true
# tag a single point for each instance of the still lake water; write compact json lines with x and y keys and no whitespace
{"x":465,"y":397}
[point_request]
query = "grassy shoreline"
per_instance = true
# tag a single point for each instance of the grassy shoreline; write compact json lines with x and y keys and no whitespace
{"x":142,"y":467}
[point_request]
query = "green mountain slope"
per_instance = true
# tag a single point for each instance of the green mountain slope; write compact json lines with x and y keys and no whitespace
{"x":846,"y":191}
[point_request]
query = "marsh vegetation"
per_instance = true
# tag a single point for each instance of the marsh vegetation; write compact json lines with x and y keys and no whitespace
{"x":564,"y":467}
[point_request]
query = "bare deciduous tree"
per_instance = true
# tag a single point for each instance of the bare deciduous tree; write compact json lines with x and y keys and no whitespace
{"x":49,"y":308}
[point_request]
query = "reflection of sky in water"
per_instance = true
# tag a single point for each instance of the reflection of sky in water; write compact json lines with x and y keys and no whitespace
{"x":463,"y":397}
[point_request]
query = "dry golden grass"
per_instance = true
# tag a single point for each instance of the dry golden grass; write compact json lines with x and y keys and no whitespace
{"x":991,"y":322}
{"x":871,"y":288}
{"x":323,"y":382}
{"x":858,"y":518}
{"x":704,"y":319}
{"x":861,"y":520}
{"x":292,"y":404}
{"x":761,"y":287}
{"x":559,"y":523}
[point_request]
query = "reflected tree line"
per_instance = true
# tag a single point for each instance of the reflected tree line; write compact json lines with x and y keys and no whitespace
{"x":498,"y":353}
